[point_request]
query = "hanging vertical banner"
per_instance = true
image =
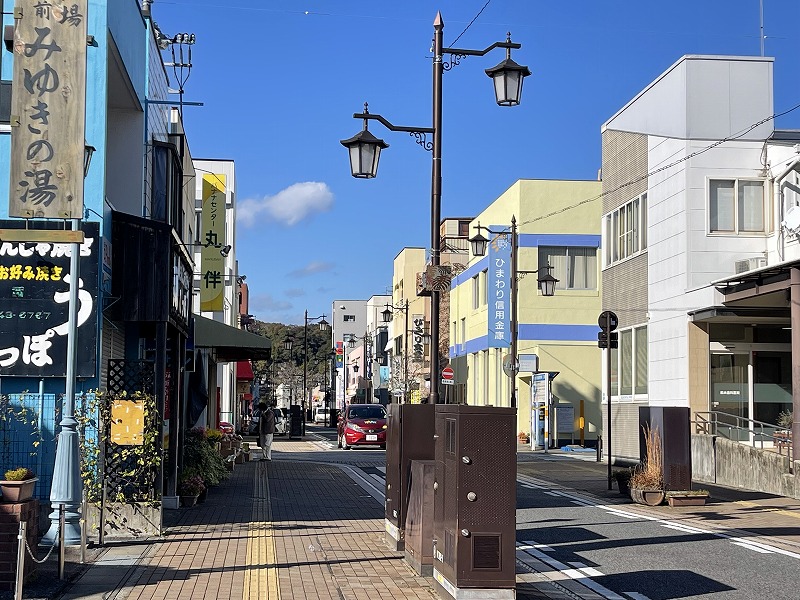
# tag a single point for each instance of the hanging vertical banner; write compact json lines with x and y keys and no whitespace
{"x":418,"y":337}
{"x":499,"y":314}
{"x":48,"y":104}
{"x":212,"y":238}
{"x":339,"y":355}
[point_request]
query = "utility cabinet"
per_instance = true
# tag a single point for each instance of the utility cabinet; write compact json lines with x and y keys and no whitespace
{"x":475,"y":502}
{"x":409,"y":436}
{"x":672,"y":424}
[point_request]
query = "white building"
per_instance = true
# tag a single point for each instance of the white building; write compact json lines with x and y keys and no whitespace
{"x":697,"y":264}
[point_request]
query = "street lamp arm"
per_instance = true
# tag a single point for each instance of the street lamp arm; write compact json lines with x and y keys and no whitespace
{"x":509,"y":45}
{"x":419,"y":133}
{"x":390,"y":126}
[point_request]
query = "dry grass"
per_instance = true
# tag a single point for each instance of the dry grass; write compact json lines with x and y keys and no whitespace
{"x":649,"y":475}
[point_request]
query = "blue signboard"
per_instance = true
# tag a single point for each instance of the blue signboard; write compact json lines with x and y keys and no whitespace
{"x":499,"y":292}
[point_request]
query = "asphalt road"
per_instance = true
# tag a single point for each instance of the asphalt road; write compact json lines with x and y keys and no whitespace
{"x":592,"y":549}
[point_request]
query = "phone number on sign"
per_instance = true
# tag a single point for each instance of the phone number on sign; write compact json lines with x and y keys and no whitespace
{"x":37,"y":315}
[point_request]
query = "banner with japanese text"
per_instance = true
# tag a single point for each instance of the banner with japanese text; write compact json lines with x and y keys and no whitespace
{"x":48,"y":105}
{"x":418,"y":337}
{"x":34,"y":302}
{"x":499,"y":275}
{"x":212,"y":238}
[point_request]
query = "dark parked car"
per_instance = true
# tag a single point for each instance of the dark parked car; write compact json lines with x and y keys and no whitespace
{"x":362,"y":425}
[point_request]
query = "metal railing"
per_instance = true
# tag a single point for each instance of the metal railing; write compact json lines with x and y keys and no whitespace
{"x":736,"y":428}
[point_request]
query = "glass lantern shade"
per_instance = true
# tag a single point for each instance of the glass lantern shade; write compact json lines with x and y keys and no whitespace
{"x":547,"y":283}
{"x":365,"y":151}
{"x":508,"y":77}
{"x":478,"y":244}
{"x":387,"y":315}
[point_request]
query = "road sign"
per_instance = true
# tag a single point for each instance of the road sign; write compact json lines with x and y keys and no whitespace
{"x":608,"y":320}
{"x":447,"y":373}
{"x":448,"y":382}
{"x":510,"y":366}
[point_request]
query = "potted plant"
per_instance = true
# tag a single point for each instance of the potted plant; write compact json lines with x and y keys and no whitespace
{"x":647,"y":480}
{"x":189,"y":489}
{"x":523,"y":437}
{"x":687,"y":498}
{"x":18,"y":485}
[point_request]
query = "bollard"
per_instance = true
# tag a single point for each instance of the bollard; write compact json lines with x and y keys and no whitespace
{"x":599,"y":448}
{"x":21,"y":541}
{"x":61,"y":545}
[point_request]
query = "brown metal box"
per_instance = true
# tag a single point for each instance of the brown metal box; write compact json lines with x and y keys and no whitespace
{"x":409,"y":436}
{"x":419,"y":518}
{"x":672,"y":424}
{"x":475,"y":498}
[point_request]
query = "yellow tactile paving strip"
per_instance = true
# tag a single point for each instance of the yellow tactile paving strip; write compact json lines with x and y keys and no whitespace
{"x":261,"y":578}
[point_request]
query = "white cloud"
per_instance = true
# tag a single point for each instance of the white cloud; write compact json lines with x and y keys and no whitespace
{"x":312,"y":268}
{"x":289,"y":206}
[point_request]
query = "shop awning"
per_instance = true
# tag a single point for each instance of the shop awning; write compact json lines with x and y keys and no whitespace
{"x":230,"y":343}
{"x":244,"y":372}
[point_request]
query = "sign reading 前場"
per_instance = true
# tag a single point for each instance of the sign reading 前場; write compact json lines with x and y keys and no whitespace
{"x":48,"y":104}
{"x":212,"y":238}
{"x":499,"y":292}
{"x":34,"y":302}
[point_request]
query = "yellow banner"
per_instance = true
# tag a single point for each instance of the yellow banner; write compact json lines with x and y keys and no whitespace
{"x":212,"y":238}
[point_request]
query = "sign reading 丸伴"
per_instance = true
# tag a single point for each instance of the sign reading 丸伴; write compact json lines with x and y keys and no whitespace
{"x":48,"y":104}
{"x":34,"y":302}
{"x":212,"y":238}
{"x":499,"y":314}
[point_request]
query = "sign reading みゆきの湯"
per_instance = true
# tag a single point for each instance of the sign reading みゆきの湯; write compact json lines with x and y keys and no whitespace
{"x":212,"y":238}
{"x":48,"y":104}
{"x":34,"y":302}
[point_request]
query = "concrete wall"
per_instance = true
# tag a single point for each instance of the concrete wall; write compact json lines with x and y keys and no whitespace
{"x":721,"y":461}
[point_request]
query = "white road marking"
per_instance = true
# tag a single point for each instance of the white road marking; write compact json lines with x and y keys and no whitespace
{"x":752,"y":547}
{"x":636,"y":596}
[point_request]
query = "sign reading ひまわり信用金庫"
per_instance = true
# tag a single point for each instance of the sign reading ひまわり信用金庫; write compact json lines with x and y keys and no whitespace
{"x":34,"y":302}
{"x":48,"y":104}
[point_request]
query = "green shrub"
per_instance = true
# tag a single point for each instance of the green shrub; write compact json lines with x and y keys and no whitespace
{"x":20,"y":474}
{"x":200,"y":457}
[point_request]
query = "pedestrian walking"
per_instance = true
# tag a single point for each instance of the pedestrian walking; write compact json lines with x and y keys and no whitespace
{"x":266,"y":430}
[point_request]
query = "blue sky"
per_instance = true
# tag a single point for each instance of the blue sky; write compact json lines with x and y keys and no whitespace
{"x":280,"y":81}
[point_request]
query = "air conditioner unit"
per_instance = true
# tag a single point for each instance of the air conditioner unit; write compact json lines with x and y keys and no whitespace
{"x":748,"y":264}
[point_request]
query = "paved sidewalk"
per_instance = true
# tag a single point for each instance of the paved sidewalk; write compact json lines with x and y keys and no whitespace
{"x":300,"y":529}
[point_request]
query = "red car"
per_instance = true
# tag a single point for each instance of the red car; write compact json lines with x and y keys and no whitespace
{"x":362,"y":425}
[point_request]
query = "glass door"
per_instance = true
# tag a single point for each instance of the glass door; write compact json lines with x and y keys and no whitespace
{"x":772,"y":385}
{"x":730,"y":393}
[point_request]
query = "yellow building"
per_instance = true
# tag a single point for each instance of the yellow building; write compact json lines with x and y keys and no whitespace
{"x":557,"y":222}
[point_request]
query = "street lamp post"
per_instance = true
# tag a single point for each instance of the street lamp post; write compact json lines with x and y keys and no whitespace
{"x":323,"y":326}
{"x":365,"y":148}
{"x":547,"y":283}
{"x":387,"y":317}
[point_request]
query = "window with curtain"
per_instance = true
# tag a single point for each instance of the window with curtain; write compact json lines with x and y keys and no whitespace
{"x":640,"y":370}
{"x":626,"y":362}
{"x":574,"y":267}
{"x":736,"y":206}
{"x":626,"y":230}
{"x":476,"y":292}
{"x":484,"y":289}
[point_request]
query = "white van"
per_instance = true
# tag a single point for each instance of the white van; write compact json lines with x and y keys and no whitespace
{"x":321,"y":415}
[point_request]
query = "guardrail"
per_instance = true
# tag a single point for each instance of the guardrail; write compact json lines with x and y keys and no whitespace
{"x":725,"y":424}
